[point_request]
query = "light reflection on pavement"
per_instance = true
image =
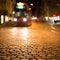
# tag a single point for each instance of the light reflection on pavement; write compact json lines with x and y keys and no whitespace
{"x":30,"y":43}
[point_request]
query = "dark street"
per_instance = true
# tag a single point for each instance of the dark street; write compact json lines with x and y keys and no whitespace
{"x":36,"y":42}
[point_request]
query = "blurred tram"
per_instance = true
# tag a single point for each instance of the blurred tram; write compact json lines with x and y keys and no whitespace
{"x":22,"y":15}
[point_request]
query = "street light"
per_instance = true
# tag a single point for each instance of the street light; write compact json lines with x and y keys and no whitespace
{"x":13,"y":12}
{"x":29,"y":8}
{"x":31,"y":4}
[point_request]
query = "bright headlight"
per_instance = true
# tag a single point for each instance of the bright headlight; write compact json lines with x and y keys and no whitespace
{"x":15,"y":19}
{"x":24,"y":19}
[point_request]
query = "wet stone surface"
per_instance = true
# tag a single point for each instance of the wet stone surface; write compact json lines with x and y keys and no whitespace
{"x":32,"y":52}
{"x":31,"y":44}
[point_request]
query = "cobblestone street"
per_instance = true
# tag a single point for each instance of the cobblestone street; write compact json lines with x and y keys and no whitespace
{"x":28,"y":43}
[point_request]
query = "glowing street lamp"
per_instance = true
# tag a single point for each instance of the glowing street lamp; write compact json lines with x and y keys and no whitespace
{"x":13,"y":12}
{"x":29,"y":8}
{"x":31,"y":4}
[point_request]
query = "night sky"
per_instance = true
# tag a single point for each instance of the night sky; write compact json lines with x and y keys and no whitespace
{"x":35,"y":2}
{"x":29,"y":1}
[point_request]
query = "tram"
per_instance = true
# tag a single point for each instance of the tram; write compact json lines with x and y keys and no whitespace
{"x":22,"y":16}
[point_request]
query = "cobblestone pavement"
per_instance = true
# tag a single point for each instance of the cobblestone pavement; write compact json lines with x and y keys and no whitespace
{"x":17,"y":43}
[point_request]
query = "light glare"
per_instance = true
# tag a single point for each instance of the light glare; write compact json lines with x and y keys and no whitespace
{"x":6,"y":18}
{"x":2,"y":19}
{"x":20,"y":4}
{"x":24,"y":19}
{"x":15,"y":19}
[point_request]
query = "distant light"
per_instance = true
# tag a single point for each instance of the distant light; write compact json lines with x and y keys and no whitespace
{"x":13,"y":12}
{"x":6,"y":18}
{"x":15,"y":19}
{"x":29,"y":8}
{"x":57,"y":4}
{"x":24,"y":19}
{"x":46,"y":18}
{"x":54,"y":15}
{"x":34,"y":18}
{"x":31,"y":4}
{"x":20,"y":4}
{"x":2,"y":19}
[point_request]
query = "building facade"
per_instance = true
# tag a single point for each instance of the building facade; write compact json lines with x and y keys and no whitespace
{"x":52,"y":7}
{"x":6,"y":8}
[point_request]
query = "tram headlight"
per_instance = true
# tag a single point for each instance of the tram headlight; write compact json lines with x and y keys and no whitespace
{"x":24,"y":19}
{"x":15,"y":19}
